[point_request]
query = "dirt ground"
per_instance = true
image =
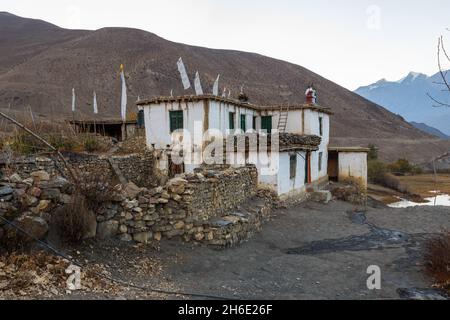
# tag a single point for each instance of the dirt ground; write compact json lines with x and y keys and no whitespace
{"x":310,"y":251}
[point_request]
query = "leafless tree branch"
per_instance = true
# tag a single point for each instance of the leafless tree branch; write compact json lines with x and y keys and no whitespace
{"x":439,"y":104}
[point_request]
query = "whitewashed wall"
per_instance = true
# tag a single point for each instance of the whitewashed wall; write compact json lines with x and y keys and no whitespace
{"x":157,"y":121}
{"x":353,"y":165}
{"x":286,"y":185}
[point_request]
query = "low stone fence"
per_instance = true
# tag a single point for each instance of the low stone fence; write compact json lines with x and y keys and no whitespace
{"x":187,"y":207}
{"x":215,"y":206}
{"x":29,"y":201}
{"x":137,"y":168}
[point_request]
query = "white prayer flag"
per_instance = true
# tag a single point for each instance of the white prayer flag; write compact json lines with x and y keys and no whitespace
{"x":184,"y":77}
{"x":123,"y":104}
{"x":224,"y":93}
{"x":216,"y":86}
{"x":73,"y":100}
{"x":95,"y":103}
{"x":198,"y":85}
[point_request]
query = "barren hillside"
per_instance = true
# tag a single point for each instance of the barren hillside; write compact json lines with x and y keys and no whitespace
{"x":40,"y":63}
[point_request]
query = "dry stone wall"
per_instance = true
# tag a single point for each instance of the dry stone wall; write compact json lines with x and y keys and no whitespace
{"x":198,"y":207}
{"x":214,"y":205}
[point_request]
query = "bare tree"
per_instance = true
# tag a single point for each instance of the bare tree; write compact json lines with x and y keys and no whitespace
{"x":442,"y":55}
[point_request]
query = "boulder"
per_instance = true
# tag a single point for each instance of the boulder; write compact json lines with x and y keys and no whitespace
{"x":15,"y":178}
{"x":28,"y":181}
{"x":123,"y":229}
{"x":107,"y":229}
{"x":40,"y":175}
{"x":125,"y":237}
{"x":91,"y":231}
{"x":158,"y":236}
{"x":321,"y":196}
{"x":143,"y":237}
{"x":35,"y":226}
{"x":131,"y":190}
{"x":35,"y":192}
{"x":43,"y":205}
{"x":28,"y":201}
{"x":179,"y":225}
{"x":5,"y":191}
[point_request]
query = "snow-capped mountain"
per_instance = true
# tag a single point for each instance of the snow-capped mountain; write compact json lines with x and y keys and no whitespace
{"x":409,"y":98}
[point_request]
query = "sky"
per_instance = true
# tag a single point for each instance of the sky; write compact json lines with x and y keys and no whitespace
{"x":351,"y":42}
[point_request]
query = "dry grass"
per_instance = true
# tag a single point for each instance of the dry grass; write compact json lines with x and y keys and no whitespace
{"x":424,"y":183}
{"x":71,"y":221}
{"x":59,"y":134}
{"x":437,"y":260}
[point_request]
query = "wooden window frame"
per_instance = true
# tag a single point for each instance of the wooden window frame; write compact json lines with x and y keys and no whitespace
{"x":176,"y":120}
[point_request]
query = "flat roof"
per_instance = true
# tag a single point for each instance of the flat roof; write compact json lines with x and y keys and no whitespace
{"x":349,"y":149}
{"x":193,"y":98}
{"x":101,"y":122}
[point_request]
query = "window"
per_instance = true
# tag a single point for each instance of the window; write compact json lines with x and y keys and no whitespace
{"x":321,"y":126}
{"x":254,"y":123}
{"x":320,"y":161}
{"x":266,"y":124}
{"x":231,"y":120}
{"x":293,"y":166}
{"x":176,"y":120}
{"x":140,"y":119}
{"x":243,"y":124}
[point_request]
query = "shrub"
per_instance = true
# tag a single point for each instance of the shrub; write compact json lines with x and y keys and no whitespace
{"x":71,"y":221}
{"x":376,"y":170}
{"x":401,"y":167}
{"x":373,"y":153}
{"x":378,"y":174}
{"x":437,"y":259}
{"x":91,"y":144}
{"x":97,"y":186}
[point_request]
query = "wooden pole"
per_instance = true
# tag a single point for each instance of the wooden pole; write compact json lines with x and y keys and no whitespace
{"x":66,"y":164}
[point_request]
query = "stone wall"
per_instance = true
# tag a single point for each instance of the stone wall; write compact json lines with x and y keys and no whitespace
{"x":193,"y":207}
{"x":214,"y":205}
{"x":137,"y":168}
{"x":28,"y":199}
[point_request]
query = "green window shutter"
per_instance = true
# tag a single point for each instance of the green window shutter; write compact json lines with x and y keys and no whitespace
{"x":266,"y":124}
{"x":243,"y":124}
{"x":176,"y":120}
{"x":254,"y":123}
{"x":231,"y":121}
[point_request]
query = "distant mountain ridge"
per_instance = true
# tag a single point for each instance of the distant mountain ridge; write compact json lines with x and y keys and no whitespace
{"x":430,"y":130}
{"x":40,"y":63}
{"x":409,"y":98}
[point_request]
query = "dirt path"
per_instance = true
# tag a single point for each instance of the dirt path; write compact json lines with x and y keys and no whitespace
{"x":312,"y":251}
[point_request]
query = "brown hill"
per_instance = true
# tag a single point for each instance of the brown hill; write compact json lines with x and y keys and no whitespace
{"x":40,"y":63}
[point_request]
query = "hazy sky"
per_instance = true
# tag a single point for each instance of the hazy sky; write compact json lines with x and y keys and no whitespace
{"x":352,"y":42}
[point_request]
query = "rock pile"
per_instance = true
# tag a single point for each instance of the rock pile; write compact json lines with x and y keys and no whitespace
{"x":27,"y":202}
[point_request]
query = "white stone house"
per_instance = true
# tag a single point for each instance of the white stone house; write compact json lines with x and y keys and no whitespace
{"x":290,"y":170}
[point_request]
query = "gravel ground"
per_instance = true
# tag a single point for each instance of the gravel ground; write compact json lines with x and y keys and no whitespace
{"x":311,"y":251}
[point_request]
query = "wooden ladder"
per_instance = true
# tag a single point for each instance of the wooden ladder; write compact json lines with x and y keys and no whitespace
{"x":282,"y":120}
